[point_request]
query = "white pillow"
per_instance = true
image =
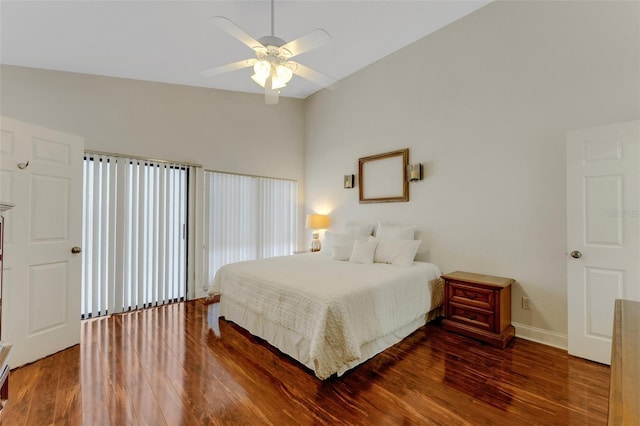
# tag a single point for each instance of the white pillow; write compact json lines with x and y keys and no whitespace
{"x":341,"y":242}
{"x":328,"y":242}
{"x":384,"y":231}
{"x":397,"y":252}
{"x":342,"y":252}
{"x":363,"y":251}
{"x":355,"y":230}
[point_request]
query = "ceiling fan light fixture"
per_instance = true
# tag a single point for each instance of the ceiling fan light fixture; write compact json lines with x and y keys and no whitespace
{"x":280,"y":76}
{"x":262,"y":68}
{"x":277,"y":84}
{"x":271,"y":65}
{"x":277,"y":76}
{"x":259,"y":79}
{"x":273,"y":85}
{"x":284,"y":73}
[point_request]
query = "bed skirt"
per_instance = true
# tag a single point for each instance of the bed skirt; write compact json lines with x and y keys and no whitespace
{"x":297,"y":346}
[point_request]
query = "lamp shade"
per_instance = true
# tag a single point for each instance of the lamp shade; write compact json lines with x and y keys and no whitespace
{"x":317,"y":221}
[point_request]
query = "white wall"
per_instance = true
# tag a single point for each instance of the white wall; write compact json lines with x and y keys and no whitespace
{"x":226,"y":131}
{"x":485,"y":104}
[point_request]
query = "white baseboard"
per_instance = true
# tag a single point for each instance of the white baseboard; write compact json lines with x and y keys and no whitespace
{"x":546,"y":337}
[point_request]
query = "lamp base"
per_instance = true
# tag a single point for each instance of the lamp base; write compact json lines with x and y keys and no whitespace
{"x":315,"y":245}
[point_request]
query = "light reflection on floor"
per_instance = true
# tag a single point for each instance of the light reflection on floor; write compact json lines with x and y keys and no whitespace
{"x":212,"y":318}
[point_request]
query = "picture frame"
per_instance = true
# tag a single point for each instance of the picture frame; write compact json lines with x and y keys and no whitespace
{"x":383,"y":177}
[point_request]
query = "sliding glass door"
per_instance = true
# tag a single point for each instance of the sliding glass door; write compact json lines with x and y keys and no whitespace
{"x":134,"y":228}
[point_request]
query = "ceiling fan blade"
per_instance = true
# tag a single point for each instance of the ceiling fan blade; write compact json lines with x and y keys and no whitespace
{"x":315,"y":38}
{"x":237,"y":32}
{"x":245,"y":63}
{"x":312,"y":75}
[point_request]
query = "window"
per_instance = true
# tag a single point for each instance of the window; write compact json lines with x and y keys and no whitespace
{"x":248,"y":218}
{"x":134,"y":231}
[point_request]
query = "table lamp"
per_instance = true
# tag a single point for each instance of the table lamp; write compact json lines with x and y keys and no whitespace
{"x":316,"y":222}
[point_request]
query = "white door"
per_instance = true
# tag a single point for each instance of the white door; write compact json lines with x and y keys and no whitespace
{"x":603,"y":232}
{"x":41,"y":173}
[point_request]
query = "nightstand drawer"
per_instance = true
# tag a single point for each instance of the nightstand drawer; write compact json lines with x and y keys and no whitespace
{"x":478,"y":306}
{"x":472,"y":296}
{"x":471,"y":316}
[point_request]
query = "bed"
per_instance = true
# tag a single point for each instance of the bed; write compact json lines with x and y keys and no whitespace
{"x":327,"y":314}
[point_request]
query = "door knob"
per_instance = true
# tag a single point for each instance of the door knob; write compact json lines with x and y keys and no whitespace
{"x":76,"y":250}
{"x":576,"y":254}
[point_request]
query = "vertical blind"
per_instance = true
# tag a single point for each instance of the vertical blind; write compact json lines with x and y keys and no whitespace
{"x":248,"y":218}
{"x":134,"y":232}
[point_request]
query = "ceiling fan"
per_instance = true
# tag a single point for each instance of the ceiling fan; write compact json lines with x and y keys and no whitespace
{"x":272,"y":66}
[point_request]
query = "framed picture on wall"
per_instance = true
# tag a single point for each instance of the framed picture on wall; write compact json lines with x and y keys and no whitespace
{"x":383,"y":177}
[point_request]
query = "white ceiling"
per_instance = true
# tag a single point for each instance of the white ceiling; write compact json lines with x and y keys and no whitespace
{"x":171,"y":41}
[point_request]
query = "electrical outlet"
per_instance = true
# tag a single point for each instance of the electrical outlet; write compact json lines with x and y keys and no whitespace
{"x":526,"y":303}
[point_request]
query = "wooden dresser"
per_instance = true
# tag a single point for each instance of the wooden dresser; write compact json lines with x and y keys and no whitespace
{"x":624,"y":386}
{"x":479,"y":306}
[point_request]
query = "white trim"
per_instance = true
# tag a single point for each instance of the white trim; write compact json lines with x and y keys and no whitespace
{"x":248,"y":175}
{"x":135,"y":157}
{"x":539,"y":335}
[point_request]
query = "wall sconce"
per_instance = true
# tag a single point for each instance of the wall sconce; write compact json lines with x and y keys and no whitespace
{"x":316,"y":222}
{"x":348,"y":181}
{"x":414,"y":172}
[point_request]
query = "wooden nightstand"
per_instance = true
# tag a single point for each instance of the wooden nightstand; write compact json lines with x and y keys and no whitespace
{"x":478,"y":306}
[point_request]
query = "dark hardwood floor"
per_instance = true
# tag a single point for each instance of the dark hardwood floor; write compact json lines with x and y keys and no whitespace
{"x":168,"y":365}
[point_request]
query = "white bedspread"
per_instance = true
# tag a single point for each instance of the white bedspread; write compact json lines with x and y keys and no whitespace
{"x":338,"y":306}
